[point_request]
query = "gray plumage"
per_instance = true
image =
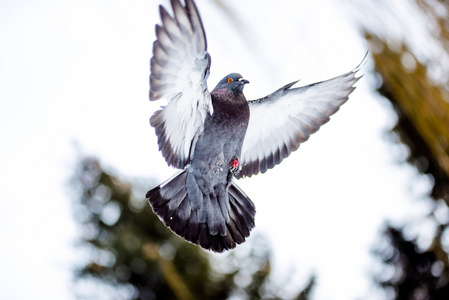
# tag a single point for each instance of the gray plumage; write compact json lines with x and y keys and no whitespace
{"x":214,"y":137}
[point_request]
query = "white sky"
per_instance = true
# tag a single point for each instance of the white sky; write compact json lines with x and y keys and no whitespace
{"x":77,"y":71}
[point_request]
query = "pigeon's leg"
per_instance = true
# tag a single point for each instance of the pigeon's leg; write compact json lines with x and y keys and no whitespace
{"x":234,"y":165}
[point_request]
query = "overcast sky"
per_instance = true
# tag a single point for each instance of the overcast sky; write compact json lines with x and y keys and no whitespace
{"x":76,"y":72}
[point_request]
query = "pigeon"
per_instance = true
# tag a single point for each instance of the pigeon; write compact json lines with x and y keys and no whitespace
{"x":218,"y":136}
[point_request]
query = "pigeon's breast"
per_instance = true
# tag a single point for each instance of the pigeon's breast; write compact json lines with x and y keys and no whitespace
{"x":231,"y":116}
{"x":231,"y":109}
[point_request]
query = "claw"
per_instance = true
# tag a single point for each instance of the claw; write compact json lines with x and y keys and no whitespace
{"x":235,"y":165}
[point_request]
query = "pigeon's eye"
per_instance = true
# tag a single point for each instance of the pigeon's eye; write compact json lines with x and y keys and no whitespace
{"x":230,"y":79}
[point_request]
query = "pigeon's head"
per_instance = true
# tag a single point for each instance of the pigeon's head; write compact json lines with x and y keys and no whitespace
{"x":233,"y":82}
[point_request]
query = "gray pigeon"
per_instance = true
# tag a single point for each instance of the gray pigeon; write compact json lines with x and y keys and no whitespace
{"x":216,"y":136}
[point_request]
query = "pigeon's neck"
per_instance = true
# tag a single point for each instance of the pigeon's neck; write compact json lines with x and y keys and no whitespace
{"x":228,"y":95}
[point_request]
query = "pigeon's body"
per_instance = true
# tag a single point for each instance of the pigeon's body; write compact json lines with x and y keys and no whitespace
{"x":210,"y":210}
{"x":224,"y":130}
{"x":218,"y":136}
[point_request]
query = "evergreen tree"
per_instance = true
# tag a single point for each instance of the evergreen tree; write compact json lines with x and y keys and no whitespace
{"x":413,"y":76}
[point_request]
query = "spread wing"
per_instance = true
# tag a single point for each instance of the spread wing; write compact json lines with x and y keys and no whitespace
{"x":179,"y":70}
{"x":283,"y":120}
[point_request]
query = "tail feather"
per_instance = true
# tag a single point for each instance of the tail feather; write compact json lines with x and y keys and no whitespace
{"x":192,"y":231}
{"x":240,"y":197}
{"x":225,"y":207}
{"x":194,"y":192}
{"x":215,"y":222}
{"x":246,"y":223}
{"x":176,"y":200}
{"x":173,"y":186}
{"x":237,"y":236}
{"x":205,"y":238}
{"x":181,"y":218}
{"x":238,"y":220}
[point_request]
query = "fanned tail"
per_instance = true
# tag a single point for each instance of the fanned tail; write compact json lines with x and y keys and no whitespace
{"x":214,"y":222}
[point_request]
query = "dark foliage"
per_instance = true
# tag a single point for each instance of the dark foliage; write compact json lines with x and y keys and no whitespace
{"x":418,"y":274}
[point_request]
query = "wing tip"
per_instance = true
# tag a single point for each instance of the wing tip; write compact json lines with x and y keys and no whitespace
{"x":361,"y":64}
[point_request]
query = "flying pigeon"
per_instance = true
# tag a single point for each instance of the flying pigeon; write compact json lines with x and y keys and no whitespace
{"x":214,"y":137}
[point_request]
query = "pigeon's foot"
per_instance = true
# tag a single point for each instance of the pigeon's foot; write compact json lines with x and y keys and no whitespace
{"x":235,"y":165}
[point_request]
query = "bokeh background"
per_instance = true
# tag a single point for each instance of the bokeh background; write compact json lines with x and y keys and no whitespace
{"x":358,"y":212}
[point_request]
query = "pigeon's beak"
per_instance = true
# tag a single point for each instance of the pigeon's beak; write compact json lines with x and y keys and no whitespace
{"x":243,"y":81}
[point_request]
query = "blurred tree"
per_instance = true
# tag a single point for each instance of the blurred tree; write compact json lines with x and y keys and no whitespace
{"x":418,"y":274}
{"x":409,"y":41}
{"x":132,"y":255}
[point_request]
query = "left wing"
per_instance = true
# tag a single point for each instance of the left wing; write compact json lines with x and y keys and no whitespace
{"x":283,"y":120}
{"x":179,"y":70}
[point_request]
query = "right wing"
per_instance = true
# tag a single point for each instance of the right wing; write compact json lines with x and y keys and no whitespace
{"x":179,"y":70}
